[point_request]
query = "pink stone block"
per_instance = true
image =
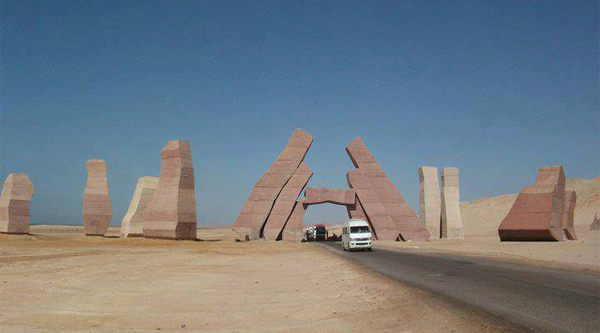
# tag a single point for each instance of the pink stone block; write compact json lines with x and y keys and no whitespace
{"x":537,"y":214}
{"x":315,"y":195}
{"x":15,"y":201}
{"x":293,"y":230}
{"x":285,"y":203}
{"x":249,"y":224}
{"x":97,"y":205}
{"x":171,"y":212}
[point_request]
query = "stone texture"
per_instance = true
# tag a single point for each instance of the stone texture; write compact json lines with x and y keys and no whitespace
{"x":131,"y":225}
{"x":357,"y":212}
{"x":285,"y":202}
{"x":15,"y":201}
{"x":430,"y":201}
{"x":318,"y":195}
{"x":97,"y":205}
{"x":257,"y":208}
{"x":537,"y":212}
{"x":293,"y":230}
{"x":171,"y":212}
{"x":568,"y":217}
{"x":385,"y":208}
{"x":452,"y":225}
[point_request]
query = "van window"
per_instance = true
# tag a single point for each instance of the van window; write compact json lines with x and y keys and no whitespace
{"x":359,"y":230}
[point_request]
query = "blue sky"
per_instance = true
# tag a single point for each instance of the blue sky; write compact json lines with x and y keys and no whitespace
{"x":496,"y":88}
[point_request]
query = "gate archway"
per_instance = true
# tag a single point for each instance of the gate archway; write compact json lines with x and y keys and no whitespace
{"x":314,"y":196}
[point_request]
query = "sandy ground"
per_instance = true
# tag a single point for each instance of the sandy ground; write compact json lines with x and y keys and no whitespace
{"x":580,"y":254}
{"x":58,"y":280}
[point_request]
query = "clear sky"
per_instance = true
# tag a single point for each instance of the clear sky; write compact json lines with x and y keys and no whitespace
{"x":496,"y":88}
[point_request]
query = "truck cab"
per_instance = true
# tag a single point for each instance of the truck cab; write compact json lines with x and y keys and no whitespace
{"x":356,"y":234}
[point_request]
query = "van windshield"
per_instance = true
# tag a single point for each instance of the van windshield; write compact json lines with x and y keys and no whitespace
{"x":360,"y":230}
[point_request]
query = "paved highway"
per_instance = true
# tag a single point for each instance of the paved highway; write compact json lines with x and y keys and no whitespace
{"x":542,"y":299}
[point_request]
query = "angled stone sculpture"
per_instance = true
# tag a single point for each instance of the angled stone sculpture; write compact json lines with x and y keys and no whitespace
{"x":285,"y":202}
{"x":452,"y":225}
{"x":430,"y":202}
{"x":171,"y":212}
{"x":131,"y":225}
{"x":537,"y":213}
{"x":385,"y":208}
{"x":313,"y":196}
{"x":318,"y":195}
{"x":257,"y":208}
{"x":14,"y":204}
{"x":569,"y":214}
{"x":357,"y":212}
{"x":97,"y":205}
{"x":293,"y":230}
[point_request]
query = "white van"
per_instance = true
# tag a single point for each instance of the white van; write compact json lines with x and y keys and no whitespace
{"x":356,"y":234}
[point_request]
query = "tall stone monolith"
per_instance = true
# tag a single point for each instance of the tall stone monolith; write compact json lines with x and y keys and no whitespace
{"x":452,"y":225}
{"x":383,"y":204}
{"x":568,"y":217}
{"x":15,"y":201}
{"x":537,"y":212}
{"x":131,"y":225}
{"x":430,"y":202}
{"x":261,"y":201}
{"x":97,"y":205}
{"x":171,"y":212}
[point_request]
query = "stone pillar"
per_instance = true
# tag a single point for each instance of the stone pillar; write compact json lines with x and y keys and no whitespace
{"x":569,"y":214}
{"x":131,"y":226}
{"x":452,"y":225}
{"x":97,"y":205}
{"x":15,"y":201}
{"x":171,"y":212}
{"x":430,"y":202}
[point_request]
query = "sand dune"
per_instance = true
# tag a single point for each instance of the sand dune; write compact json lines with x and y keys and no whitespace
{"x":482,"y":216}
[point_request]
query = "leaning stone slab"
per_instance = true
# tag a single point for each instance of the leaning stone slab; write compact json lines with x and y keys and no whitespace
{"x":452,"y":225}
{"x":293,"y":230}
{"x":537,"y":213}
{"x":171,"y":212}
{"x":15,"y":201}
{"x":384,"y":206}
{"x":97,"y":205}
{"x":285,"y":202}
{"x":257,"y":208}
{"x":430,"y":201}
{"x":569,"y":214}
{"x":131,"y":225}
{"x":357,"y":212}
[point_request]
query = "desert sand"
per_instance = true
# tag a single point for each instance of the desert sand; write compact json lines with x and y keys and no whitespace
{"x":58,"y":280}
{"x":481,"y":218}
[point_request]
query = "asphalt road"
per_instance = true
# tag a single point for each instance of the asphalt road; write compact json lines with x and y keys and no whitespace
{"x":540,"y":299}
